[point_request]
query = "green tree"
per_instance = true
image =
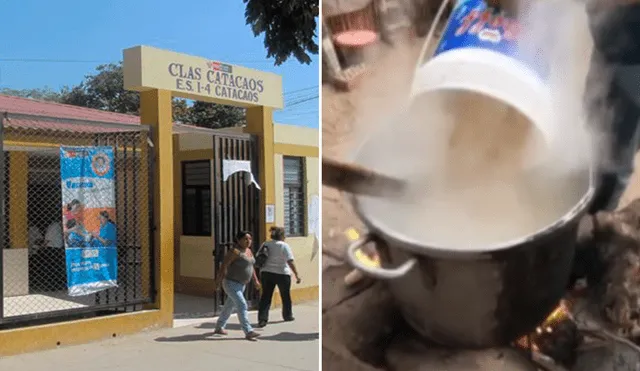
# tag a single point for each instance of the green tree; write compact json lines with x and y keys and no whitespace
{"x":215,"y":116}
{"x":181,"y":111}
{"x":289,"y":27}
{"x":104,"y":90}
{"x":46,"y":93}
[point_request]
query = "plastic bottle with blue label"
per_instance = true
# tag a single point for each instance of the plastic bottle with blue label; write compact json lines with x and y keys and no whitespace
{"x":478,"y":51}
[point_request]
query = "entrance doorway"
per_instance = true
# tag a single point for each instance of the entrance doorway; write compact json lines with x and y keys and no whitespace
{"x":236,"y":202}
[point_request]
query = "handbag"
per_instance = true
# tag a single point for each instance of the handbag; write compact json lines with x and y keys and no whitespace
{"x":261,"y":256}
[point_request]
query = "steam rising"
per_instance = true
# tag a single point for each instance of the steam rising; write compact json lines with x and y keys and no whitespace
{"x":555,"y":32}
{"x":480,"y":176}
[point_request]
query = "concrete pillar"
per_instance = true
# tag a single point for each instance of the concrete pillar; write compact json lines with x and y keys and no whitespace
{"x":155,"y":110}
{"x":260,"y":124}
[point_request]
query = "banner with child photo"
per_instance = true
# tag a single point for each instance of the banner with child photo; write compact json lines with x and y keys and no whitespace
{"x":90,"y":233}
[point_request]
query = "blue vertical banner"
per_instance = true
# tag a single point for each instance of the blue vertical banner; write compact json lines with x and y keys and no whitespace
{"x":88,"y":209}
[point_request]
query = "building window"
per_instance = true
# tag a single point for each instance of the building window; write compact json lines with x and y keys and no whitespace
{"x":294,"y":196}
{"x":196,"y":198}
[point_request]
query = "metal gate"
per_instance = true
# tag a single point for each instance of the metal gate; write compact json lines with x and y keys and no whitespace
{"x":34,"y":290}
{"x":236,"y":202}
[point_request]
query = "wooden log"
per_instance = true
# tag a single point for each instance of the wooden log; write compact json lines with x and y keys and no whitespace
{"x":615,"y":290}
{"x":612,"y":354}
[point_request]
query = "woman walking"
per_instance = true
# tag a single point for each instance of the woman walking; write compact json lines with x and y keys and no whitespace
{"x":276,"y":271}
{"x":236,"y":271}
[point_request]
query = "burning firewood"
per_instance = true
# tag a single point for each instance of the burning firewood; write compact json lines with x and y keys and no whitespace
{"x":557,"y":337}
{"x":594,"y":332}
{"x":560,"y":342}
{"x":608,"y":256}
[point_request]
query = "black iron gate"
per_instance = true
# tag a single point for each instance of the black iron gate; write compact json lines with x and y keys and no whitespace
{"x":236,"y":202}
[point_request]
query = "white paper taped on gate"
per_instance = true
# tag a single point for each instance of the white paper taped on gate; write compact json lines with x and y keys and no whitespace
{"x":230,"y":167}
{"x":270,"y":214}
{"x":313,"y":222}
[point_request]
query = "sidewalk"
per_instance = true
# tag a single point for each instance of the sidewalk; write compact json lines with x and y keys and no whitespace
{"x":282,"y":346}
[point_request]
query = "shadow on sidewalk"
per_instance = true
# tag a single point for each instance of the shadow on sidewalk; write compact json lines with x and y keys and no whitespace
{"x":231,"y":326}
{"x":210,"y":336}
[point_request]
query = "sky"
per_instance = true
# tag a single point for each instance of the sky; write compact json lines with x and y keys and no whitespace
{"x":75,"y":36}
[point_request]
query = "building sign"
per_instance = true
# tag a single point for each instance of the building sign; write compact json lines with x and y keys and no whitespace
{"x":200,"y":79}
{"x":88,"y":214}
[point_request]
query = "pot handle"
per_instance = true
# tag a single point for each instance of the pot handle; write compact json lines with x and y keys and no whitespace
{"x":380,"y":273}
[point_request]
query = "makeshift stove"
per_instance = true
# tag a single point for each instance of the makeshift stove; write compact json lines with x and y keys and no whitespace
{"x":592,"y":329}
{"x":570,"y":339}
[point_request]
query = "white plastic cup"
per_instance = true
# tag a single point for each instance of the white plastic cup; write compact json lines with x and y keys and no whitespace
{"x":478,"y":52}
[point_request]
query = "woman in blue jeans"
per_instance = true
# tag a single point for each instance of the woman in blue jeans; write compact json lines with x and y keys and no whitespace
{"x":235,"y":273}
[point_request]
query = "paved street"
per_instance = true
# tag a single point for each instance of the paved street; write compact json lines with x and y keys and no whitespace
{"x":283,"y":346}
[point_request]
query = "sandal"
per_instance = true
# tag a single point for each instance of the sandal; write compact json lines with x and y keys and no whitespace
{"x":220,"y":331}
{"x":252,"y":336}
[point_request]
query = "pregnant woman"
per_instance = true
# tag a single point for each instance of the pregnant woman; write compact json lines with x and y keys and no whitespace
{"x":236,"y":271}
{"x":276,"y":272}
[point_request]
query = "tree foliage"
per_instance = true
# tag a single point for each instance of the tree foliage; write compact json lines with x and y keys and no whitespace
{"x":104,"y":90}
{"x":181,"y":111}
{"x":289,"y":27}
{"x":215,"y":116}
{"x":46,"y":94}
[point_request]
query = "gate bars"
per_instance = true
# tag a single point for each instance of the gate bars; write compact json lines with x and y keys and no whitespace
{"x":30,"y":169}
{"x":236,"y":203}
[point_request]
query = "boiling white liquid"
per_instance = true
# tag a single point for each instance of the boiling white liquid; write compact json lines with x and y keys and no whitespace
{"x":479,"y":174}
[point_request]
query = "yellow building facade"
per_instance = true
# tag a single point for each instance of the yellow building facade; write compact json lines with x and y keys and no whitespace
{"x":194,"y":259}
{"x":180,"y":262}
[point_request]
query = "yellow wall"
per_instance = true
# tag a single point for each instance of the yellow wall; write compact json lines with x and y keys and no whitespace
{"x":195,"y":261}
{"x":301,"y":246}
{"x":302,"y":142}
{"x":291,"y":134}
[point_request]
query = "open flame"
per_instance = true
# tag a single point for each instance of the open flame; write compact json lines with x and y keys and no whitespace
{"x":560,"y":314}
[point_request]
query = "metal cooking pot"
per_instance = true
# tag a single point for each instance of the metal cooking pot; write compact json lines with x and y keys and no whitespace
{"x":476,"y":299}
